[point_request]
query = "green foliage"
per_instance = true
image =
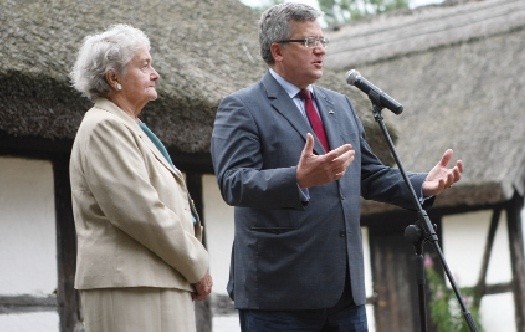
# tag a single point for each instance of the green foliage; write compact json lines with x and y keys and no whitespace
{"x":338,"y":12}
{"x":342,"y":11}
{"x":445,"y":310}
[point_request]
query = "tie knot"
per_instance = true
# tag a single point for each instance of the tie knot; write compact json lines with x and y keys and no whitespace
{"x":305,"y":94}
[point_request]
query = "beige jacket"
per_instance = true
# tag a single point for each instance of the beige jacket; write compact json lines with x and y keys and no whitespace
{"x":132,"y":216}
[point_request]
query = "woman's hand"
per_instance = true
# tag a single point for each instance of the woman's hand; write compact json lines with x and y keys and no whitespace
{"x":202,"y":288}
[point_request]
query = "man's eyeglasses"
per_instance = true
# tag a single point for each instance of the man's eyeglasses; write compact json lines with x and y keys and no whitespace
{"x":308,"y":41}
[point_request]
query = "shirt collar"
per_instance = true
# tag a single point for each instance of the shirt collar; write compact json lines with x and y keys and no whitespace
{"x":290,"y":88}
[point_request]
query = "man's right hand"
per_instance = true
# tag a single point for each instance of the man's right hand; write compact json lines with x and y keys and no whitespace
{"x":313,"y":170}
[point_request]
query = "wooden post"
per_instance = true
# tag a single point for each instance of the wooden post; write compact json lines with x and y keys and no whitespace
{"x":202,"y":308}
{"x":517,"y":259}
{"x":68,"y":304}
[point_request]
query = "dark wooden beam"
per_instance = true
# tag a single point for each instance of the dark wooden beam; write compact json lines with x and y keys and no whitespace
{"x":481,"y":285}
{"x":68,"y":300}
{"x":48,"y":148}
{"x":198,"y":163}
{"x":34,"y":147}
{"x":203,"y":310}
{"x":517,"y":259}
{"x":27,"y":303}
{"x":194,"y":184}
{"x":492,"y":289}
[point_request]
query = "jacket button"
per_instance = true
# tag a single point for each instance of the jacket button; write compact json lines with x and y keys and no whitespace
{"x":342,"y":197}
{"x":342,"y":233}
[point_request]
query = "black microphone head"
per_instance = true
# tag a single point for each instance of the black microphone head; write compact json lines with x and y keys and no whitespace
{"x":352,"y":76}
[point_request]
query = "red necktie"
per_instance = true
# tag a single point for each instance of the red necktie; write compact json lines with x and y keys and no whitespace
{"x":313,"y":117}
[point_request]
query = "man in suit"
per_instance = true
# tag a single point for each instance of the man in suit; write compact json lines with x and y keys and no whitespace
{"x":297,"y":260}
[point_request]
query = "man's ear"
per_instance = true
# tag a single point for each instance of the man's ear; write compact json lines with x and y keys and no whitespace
{"x":276,"y":50}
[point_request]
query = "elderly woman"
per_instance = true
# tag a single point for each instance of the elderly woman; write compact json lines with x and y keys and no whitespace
{"x":140,"y":261}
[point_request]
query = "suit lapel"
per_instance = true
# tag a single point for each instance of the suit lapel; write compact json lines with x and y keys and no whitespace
{"x":286,"y":107}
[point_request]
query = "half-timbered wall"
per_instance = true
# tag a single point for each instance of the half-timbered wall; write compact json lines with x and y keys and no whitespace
{"x":36,"y":286}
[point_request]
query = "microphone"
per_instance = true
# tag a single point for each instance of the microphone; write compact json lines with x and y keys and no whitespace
{"x":378,"y":97}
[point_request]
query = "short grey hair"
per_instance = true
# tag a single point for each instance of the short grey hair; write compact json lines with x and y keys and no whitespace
{"x":112,"y":49}
{"x":274,"y":24}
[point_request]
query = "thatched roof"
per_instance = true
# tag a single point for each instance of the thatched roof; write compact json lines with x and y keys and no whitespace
{"x":189,"y":44}
{"x":459,"y":73}
{"x":203,"y":50}
{"x":457,"y":70}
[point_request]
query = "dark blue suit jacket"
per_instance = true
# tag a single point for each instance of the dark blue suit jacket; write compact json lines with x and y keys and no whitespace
{"x":287,"y":255}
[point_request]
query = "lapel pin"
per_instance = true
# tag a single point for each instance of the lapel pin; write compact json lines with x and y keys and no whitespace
{"x":331,"y":112}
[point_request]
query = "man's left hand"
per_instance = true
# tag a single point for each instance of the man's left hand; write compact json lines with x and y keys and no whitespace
{"x":441,"y":177}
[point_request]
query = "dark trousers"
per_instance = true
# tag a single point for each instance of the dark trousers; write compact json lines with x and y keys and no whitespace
{"x":343,"y":317}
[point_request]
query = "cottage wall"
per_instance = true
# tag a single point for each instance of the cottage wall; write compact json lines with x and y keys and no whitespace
{"x":28,"y":262}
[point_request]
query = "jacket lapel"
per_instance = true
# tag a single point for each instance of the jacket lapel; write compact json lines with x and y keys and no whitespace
{"x":112,"y":108}
{"x":175,"y":171}
{"x":286,"y":107}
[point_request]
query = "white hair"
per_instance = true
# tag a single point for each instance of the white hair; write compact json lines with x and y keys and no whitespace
{"x":112,"y":50}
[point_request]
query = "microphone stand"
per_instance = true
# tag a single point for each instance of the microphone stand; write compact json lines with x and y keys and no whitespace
{"x":421,"y":233}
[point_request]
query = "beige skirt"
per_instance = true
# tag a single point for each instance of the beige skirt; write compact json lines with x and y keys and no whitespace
{"x":137,"y":309}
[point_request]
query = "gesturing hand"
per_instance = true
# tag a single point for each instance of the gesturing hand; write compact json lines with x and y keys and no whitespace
{"x":313,"y":170}
{"x":440,"y":177}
